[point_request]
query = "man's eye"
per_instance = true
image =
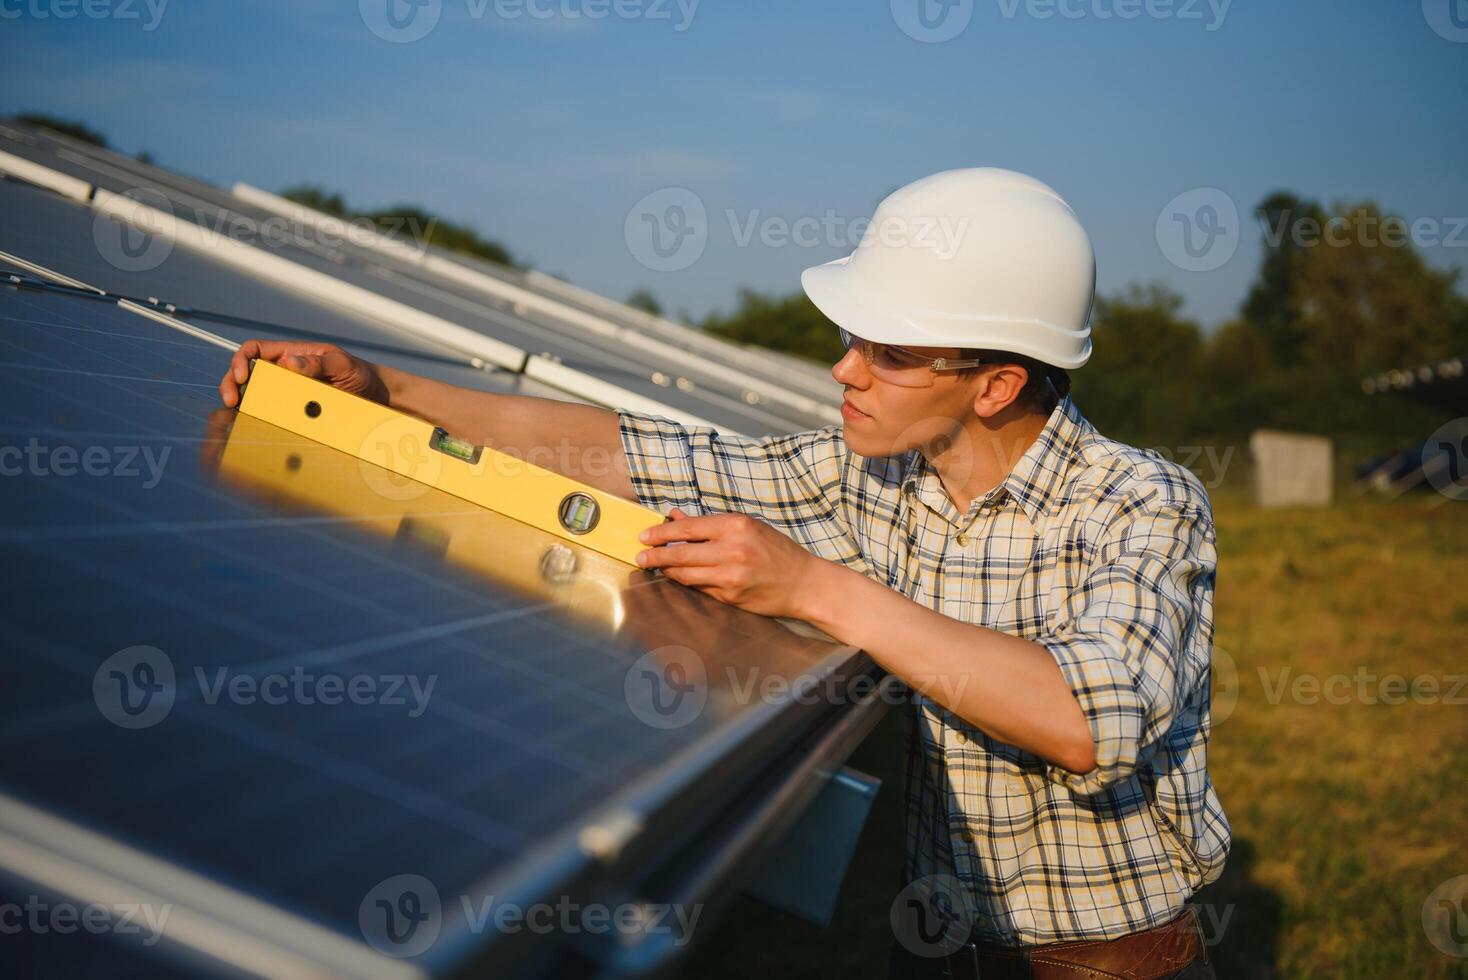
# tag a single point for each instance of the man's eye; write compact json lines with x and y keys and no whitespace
{"x":899,"y":359}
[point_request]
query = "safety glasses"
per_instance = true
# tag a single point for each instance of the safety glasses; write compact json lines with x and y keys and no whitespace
{"x":901,"y":366}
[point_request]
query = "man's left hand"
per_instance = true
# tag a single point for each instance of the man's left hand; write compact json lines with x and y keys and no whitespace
{"x":734,"y":558}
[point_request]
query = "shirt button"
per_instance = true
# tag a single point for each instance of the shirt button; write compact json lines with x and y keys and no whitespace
{"x":962,"y":538}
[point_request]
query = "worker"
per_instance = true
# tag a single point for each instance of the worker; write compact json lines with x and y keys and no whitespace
{"x":1043,"y":591}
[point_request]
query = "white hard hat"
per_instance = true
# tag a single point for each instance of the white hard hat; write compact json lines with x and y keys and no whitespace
{"x":981,"y":258}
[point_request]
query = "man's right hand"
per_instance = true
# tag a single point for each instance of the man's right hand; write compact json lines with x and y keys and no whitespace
{"x":325,"y":362}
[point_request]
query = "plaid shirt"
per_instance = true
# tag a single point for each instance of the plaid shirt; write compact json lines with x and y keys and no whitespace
{"x":1100,"y":552}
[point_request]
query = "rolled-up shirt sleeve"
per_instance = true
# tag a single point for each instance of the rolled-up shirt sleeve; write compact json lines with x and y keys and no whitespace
{"x":792,"y":482}
{"x":1135,"y":638}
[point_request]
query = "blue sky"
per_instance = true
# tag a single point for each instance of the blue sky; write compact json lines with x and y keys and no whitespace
{"x":547,"y":131}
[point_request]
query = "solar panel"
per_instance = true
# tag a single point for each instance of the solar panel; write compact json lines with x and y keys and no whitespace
{"x":703,"y":390}
{"x":58,"y":234}
{"x":175,"y":564}
{"x":782,"y":376}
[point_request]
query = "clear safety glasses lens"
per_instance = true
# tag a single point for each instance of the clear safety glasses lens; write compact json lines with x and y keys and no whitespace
{"x":891,"y":364}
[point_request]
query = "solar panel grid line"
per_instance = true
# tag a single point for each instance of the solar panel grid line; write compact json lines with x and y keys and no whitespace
{"x":64,"y":184}
{"x":68,"y":327}
{"x":175,"y":324}
{"x":108,"y":377}
{"x":219,"y":921}
{"x":60,"y":365}
{"x":62,"y":368}
{"x":426,"y":258}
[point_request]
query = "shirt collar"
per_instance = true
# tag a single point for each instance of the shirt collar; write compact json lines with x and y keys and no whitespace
{"x":1033,"y":482}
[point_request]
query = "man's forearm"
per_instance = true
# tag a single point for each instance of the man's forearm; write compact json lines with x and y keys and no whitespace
{"x":579,"y":441}
{"x":1009,"y":688}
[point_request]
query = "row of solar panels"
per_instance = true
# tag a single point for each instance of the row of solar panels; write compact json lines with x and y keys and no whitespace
{"x":521,"y":322}
{"x":195,"y":594}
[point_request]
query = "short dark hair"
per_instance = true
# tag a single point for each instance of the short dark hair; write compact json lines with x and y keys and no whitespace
{"x":1042,"y":377}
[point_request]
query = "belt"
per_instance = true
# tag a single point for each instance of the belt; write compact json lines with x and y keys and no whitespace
{"x":1153,"y":953}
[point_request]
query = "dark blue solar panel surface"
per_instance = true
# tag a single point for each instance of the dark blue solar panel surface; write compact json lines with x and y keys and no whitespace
{"x":527,"y":727}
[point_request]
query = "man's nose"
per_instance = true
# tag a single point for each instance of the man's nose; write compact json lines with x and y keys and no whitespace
{"x":851,"y":369}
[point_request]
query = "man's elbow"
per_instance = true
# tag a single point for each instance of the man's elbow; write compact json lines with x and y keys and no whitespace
{"x":1077,"y":754}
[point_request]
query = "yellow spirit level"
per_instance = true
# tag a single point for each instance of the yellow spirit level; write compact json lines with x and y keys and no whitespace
{"x":429,"y":457}
{"x":289,"y":472}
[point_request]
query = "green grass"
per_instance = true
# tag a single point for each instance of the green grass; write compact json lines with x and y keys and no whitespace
{"x":1345,"y":816}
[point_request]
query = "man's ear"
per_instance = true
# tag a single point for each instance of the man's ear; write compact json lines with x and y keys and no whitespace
{"x":999,"y":388}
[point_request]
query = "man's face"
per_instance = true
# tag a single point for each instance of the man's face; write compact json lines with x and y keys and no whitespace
{"x":880,"y":418}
